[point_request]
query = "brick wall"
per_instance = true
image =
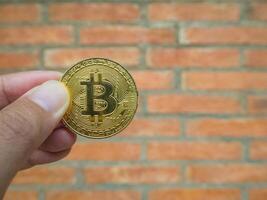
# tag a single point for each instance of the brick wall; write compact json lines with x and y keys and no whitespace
{"x":201,"y":69}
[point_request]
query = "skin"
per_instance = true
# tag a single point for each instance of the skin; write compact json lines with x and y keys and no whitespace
{"x":29,"y":135}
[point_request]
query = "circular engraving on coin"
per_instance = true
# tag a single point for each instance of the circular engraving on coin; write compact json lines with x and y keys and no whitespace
{"x":103,"y":98}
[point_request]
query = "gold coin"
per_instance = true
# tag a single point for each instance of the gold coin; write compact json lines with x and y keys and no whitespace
{"x":103,"y":98}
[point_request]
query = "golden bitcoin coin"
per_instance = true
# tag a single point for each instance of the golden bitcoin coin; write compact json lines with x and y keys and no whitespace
{"x":103,"y":98}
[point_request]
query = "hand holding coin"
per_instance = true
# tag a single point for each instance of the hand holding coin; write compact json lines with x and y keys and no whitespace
{"x":32,"y":104}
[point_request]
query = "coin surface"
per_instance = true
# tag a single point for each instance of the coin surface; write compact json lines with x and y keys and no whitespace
{"x":103,"y":98}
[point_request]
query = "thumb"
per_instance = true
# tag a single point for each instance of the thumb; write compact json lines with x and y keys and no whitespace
{"x":28,"y":121}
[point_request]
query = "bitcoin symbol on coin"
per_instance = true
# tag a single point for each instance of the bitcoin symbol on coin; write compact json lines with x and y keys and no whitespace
{"x":99,"y":98}
{"x":103,"y":98}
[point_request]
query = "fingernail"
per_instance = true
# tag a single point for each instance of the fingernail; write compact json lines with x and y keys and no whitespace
{"x":52,"y":96}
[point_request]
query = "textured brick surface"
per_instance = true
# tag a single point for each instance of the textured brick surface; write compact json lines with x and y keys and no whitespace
{"x":195,"y":194}
{"x":98,"y":194}
{"x":192,"y":57}
{"x":44,"y":175}
{"x":21,"y":195}
{"x":126,"y":175}
{"x":226,"y":35}
{"x":126,"y":35}
{"x":231,"y":173}
{"x":194,"y":12}
{"x":194,"y":151}
{"x":121,"y":12}
{"x":19,"y":13}
{"x":200,"y":132}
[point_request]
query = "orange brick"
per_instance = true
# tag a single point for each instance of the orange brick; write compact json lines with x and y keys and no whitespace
{"x":18,"y":59}
{"x":195,"y":194}
{"x":224,"y":80}
{"x":36,"y":35}
{"x":105,"y":151}
{"x":231,"y":173}
{"x":55,"y":58}
{"x":98,"y":195}
{"x":193,"y":11}
{"x":258,"y":11}
{"x":109,"y":12}
{"x":21,"y":195}
{"x":258,"y":150}
{"x":173,"y":103}
{"x":126,"y":35}
{"x":194,"y":151}
{"x":258,"y":194}
{"x":45,"y":175}
{"x":226,"y":35}
{"x":153,"y":80}
{"x":152,"y":127}
{"x":256,"y":58}
{"x":132,"y":175}
{"x":19,"y":13}
{"x":257,"y":104}
{"x":193,"y":57}
{"x":228,"y":127}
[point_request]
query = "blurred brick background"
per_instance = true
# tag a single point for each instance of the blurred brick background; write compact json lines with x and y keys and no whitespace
{"x":201,"y":69}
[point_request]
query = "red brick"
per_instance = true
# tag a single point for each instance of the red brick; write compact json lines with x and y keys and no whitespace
{"x":45,"y":175}
{"x":109,"y":12}
{"x":231,"y":173}
{"x":228,"y":127}
{"x":193,"y":57}
{"x":153,"y":80}
{"x":194,"y":151}
{"x":68,"y":57}
{"x":256,"y":58}
{"x":174,"y":103}
{"x":258,"y":150}
{"x":152,"y":127}
{"x":194,"y":11}
{"x":225,"y":80}
{"x":258,"y":194}
{"x":98,"y":195}
{"x":126,"y":35}
{"x":21,"y":195}
{"x":105,"y":151}
{"x":257,"y":104}
{"x":258,"y":11}
{"x":19,"y":13}
{"x":18,"y":59}
{"x":226,"y":35}
{"x":195,"y":194}
{"x":132,"y":175}
{"x":36,"y":35}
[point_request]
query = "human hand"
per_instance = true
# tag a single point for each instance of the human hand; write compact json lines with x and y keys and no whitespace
{"x":30,"y":129}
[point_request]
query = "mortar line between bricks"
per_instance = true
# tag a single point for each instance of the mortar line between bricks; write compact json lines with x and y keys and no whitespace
{"x":151,"y":46}
{"x":244,"y":193}
{"x":151,"y":24}
{"x":186,"y":138}
{"x":41,"y":195}
{"x":142,"y":61}
{"x":246,"y":150}
{"x":143,"y":46}
{"x":139,"y":187}
{"x":83,"y":164}
{"x":121,"y":1}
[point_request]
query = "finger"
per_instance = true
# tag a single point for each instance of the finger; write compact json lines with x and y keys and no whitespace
{"x":42,"y":157}
{"x":59,"y":140}
{"x":27,"y":122}
{"x":13,"y":86}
